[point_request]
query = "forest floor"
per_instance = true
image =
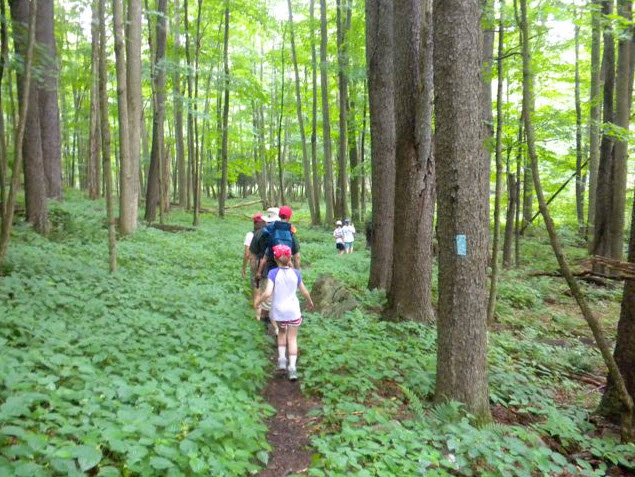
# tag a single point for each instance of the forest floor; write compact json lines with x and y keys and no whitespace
{"x":161,"y":369}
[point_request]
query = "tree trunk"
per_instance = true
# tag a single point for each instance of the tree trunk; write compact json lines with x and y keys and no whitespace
{"x":282,"y":80}
{"x":18,"y":10}
{"x":153,"y":190}
{"x":491,"y":305}
{"x":306,"y":167}
{"x":94,"y":179}
{"x":127,"y":198}
{"x":223,"y":184}
{"x":343,"y":27}
{"x":623,"y":88}
{"x":594,"y":116}
{"x":4,"y":59}
{"x":35,"y":178}
{"x":603,"y":194}
{"x":314,"y":158}
{"x":579,"y":184}
{"x":410,"y":291}
{"x":463,"y":207}
{"x":47,"y":100}
{"x":105,"y":137}
{"x":519,"y":166}
{"x":379,"y":51}
{"x":196,"y":166}
{"x":353,"y":156}
{"x":190,"y":100}
{"x":326,"y":121}
{"x":178,"y":110}
{"x":362,"y":155}
{"x":594,"y":324}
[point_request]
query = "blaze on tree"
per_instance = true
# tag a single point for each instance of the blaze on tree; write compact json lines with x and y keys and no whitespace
{"x":462,"y":188}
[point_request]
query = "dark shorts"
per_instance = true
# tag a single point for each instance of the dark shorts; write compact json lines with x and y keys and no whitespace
{"x":339,"y":246}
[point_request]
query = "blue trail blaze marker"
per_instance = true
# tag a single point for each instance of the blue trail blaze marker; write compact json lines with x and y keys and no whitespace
{"x":461,"y":245}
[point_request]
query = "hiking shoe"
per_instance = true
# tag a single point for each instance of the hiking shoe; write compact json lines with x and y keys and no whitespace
{"x":293,"y":374}
{"x":282,"y":364}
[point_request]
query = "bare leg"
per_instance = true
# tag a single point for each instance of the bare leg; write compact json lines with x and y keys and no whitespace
{"x":292,"y":340}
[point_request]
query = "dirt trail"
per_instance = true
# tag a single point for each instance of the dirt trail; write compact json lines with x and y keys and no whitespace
{"x":289,"y":429}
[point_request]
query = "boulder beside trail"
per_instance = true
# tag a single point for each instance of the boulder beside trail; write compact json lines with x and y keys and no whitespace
{"x":332,"y":298}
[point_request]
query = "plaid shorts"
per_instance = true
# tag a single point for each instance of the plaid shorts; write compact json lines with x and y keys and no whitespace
{"x":284,"y":324}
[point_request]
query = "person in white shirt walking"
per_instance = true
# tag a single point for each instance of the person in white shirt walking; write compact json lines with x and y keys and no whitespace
{"x":338,"y":235}
{"x":349,"y":235}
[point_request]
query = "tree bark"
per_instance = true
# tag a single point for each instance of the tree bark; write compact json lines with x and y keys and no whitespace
{"x":127,"y":198}
{"x":94,"y":178}
{"x":223,"y":185}
{"x":4,"y":59}
{"x":353,"y":156}
{"x":379,"y":57}
{"x":178,"y":109}
{"x":491,"y":304}
{"x":47,"y":100}
{"x":326,"y":121}
{"x":463,"y":207}
{"x":314,"y":158}
{"x":594,"y":324}
{"x":579,"y":183}
{"x":410,"y":291}
{"x":35,"y":178}
{"x":129,"y":170}
{"x":18,"y":9}
{"x":601,"y":240}
{"x":153,"y":190}
{"x":306,"y":168}
{"x":343,"y":27}
{"x":105,"y":138}
{"x":594,"y":117}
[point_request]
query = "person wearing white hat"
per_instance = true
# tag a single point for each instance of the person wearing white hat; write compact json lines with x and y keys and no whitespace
{"x":338,"y":235}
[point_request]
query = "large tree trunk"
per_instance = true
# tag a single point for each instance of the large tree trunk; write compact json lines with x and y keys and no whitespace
{"x":463,"y":207}
{"x":4,"y":59}
{"x":105,"y":137}
{"x":594,"y":324}
{"x":601,"y":239}
{"x":623,"y":88}
{"x":314,"y":158}
{"x":94,"y":178}
{"x":153,"y":190}
{"x":379,"y":51}
{"x":35,"y":178}
{"x":17,"y":13}
{"x":353,"y":156}
{"x":127,"y":198}
{"x":47,"y":100}
{"x":343,"y":27}
{"x":178,"y":110}
{"x":326,"y":121}
{"x":410,"y":291}
{"x":306,"y":168}
{"x":491,"y":305}
{"x":594,"y":116}
{"x":223,"y":184}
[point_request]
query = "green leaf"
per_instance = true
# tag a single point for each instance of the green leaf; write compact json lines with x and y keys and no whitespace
{"x":108,"y":471}
{"x":87,"y":457}
{"x":12,"y":431}
{"x":263,"y":456}
{"x":197,"y":464}
{"x":160,"y":463}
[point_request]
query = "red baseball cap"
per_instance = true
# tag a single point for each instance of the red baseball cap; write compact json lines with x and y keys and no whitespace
{"x":258,"y":217}
{"x":285,"y":212}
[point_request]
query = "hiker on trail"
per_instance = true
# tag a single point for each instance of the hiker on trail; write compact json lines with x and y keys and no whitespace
{"x":257,"y":250}
{"x":338,"y":235}
{"x":282,"y":285}
{"x":278,"y":232}
{"x":247,"y":255}
{"x":349,"y":235}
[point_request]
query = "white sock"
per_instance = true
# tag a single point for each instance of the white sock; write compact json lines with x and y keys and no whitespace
{"x":282,"y":352}
{"x":292,"y":358}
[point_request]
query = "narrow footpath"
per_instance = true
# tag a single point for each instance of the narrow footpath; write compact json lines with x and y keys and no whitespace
{"x":290,"y":428}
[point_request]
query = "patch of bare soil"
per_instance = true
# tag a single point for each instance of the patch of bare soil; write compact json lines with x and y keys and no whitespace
{"x":290,"y":428}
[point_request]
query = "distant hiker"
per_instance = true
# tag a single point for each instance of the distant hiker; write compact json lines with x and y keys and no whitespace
{"x":338,"y":235}
{"x":282,"y":285}
{"x":349,"y":235}
{"x":247,"y":255}
{"x":278,"y":232}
